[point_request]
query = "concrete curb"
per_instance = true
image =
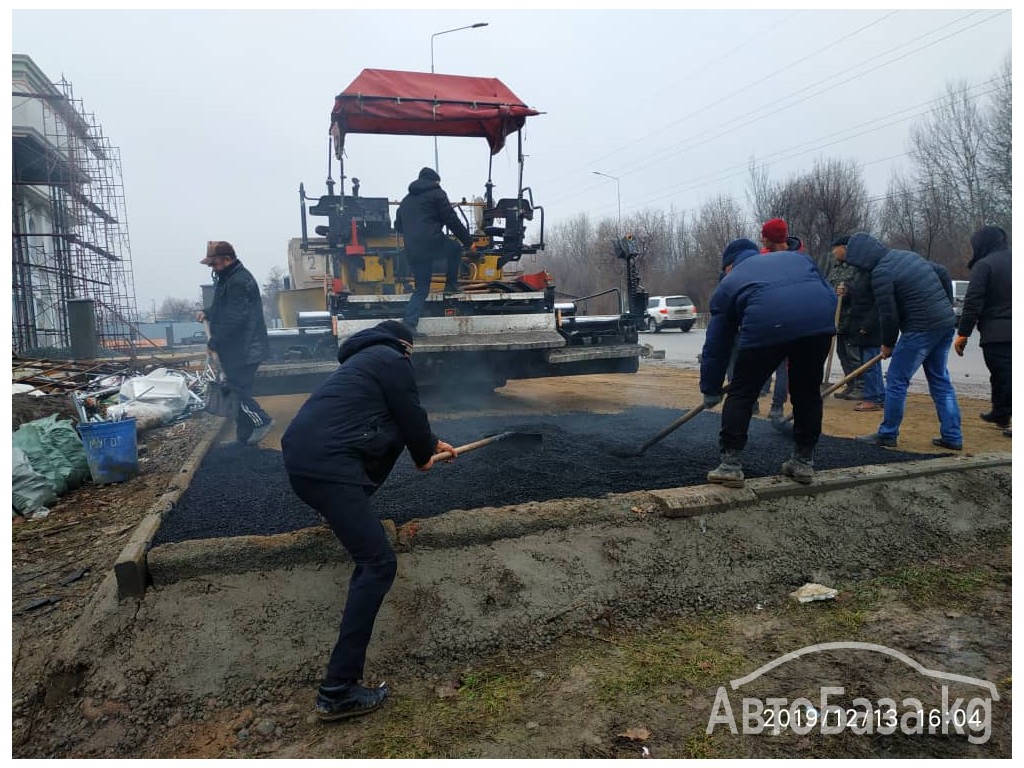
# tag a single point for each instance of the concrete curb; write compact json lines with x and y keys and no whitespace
{"x":169,"y":563}
{"x":130,"y":569}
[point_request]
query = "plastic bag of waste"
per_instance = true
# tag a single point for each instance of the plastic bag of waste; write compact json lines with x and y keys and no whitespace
{"x":159,"y":387}
{"x":29,"y":490}
{"x":146,"y":415}
{"x":55,"y":451}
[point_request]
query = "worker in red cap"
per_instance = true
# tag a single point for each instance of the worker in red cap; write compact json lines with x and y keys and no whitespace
{"x":238,"y":335}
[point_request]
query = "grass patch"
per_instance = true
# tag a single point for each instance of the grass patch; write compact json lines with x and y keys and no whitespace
{"x":936,"y":584}
{"x":679,"y":654}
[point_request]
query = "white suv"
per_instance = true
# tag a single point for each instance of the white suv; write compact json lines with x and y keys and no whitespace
{"x":670,"y":312}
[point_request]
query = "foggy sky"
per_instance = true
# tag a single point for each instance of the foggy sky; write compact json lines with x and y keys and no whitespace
{"x":219,"y":115}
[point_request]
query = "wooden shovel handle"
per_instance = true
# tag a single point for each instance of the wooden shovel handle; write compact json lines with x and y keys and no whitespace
{"x":459,"y":450}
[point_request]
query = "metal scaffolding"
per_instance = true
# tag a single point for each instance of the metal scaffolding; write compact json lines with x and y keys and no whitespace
{"x":67,"y":179}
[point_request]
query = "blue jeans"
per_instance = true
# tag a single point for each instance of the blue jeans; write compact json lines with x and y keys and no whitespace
{"x":871,"y":380}
{"x":913,"y":350}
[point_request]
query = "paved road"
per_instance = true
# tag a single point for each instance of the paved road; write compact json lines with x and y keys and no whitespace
{"x":970,"y":376}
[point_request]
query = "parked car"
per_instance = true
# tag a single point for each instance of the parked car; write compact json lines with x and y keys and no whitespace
{"x":959,"y":292}
{"x":670,"y":312}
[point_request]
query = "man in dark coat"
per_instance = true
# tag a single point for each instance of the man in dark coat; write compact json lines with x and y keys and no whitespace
{"x":782,"y":308}
{"x":987,"y":304}
{"x":862,"y":333}
{"x":238,"y":336}
{"x":339,"y":448}
{"x":915,"y":316}
{"x":421,"y":217}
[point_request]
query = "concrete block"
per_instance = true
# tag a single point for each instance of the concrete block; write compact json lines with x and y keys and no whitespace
{"x":701,"y":500}
{"x":130,"y":571}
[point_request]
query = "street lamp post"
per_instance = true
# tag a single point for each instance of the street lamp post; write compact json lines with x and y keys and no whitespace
{"x":445,"y":32}
{"x":618,"y":195}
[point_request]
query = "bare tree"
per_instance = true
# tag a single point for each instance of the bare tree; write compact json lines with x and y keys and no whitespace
{"x":997,"y":148}
{"x":946,"y":148}
{"x":719,"y":221}
{"x":273,"y":285}
{"x":178,"y":310}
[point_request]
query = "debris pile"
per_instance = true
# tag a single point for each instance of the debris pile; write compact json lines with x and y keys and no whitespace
{"x":53,"y":404}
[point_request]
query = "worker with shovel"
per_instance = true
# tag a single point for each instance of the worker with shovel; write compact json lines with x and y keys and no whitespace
{"x":782,"y":308}
{"x":339,"y":448}
{"x":862,"y":335}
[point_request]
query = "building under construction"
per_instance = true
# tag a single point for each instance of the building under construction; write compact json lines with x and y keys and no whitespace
{"x":73,"y":290}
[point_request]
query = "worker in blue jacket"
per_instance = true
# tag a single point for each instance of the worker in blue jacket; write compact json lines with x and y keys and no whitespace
{"x":338,"y":450}
{"x":915,"y":315}
{"x":781,"y":308}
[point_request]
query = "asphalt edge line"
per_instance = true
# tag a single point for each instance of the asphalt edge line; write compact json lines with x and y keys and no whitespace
{"x":172,"y":562}
{"x":130,"y":569}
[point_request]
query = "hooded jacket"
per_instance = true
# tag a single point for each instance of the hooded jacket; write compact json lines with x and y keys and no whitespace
{"x":238,"y":332}
{"x":770,"y":299}
{"x":988,"y":301}
{"x":423,"y":213}
{"x":912,"y":294}
{"x":354,"y":427}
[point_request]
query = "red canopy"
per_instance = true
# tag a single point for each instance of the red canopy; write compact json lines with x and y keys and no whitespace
{"x":427,"y":104}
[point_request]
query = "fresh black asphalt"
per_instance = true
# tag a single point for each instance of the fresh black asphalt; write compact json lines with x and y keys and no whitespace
{"x":238,"y":491}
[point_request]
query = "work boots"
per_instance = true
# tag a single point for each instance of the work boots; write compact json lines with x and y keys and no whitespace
{"x":339,"y":702}
{"x":729,"y":472}
{"x":800,"y":465}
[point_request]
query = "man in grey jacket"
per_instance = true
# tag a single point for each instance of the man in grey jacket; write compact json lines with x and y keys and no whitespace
{"x":915,"y":313}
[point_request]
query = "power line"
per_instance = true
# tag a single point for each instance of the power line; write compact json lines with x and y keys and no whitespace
{"x":717,"y":132}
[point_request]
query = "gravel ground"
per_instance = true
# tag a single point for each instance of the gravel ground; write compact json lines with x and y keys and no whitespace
{"x":245,"y":491}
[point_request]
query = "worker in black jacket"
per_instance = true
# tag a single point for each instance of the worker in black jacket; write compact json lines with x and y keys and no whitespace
{"x":238,"y":336}
{"x":988,"y":304}
{"x":421,"y":218}
{"x":339,"y":448}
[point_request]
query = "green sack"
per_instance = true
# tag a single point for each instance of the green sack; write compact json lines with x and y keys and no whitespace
{"x":55,"y":451}
{"x":29,"y":489}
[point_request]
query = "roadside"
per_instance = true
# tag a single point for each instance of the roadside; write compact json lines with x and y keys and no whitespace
{"x":83,"y":532}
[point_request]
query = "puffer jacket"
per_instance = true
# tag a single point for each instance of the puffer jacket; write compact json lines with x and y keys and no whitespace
{"x":912,"y":294}
{"x":420,"y":218}
{"x":355,"y":426}
{"x":770,"y":299}
{"x":238,"y":333}
{"x":988,"y":302}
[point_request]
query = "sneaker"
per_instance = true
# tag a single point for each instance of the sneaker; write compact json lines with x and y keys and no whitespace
{"x":847,"y":394}
{"x":886,"y":441}
{"x":866,"y":406}
{"x":339,"y":702}
{"x":729,"y":473}
{"x":938,"y":442}
{"x":799,"y":469}
{"x":775,"y":412}
{"x":259,"y":433}
{"x":993,"y":420}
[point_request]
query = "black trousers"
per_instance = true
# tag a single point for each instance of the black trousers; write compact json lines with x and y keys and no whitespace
{"x":346,"y":508}
{"x":806,"y":366}
{"x":423,"y":270}
{"x":997,"y":360}
{"x":849,"y":358}
{"x":242,"y":379}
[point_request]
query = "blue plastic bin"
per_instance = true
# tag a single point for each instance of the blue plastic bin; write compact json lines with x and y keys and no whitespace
{"x":111,"y":449}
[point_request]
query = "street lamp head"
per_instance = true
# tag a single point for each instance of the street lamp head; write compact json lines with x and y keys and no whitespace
{"x":479,"y":24}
